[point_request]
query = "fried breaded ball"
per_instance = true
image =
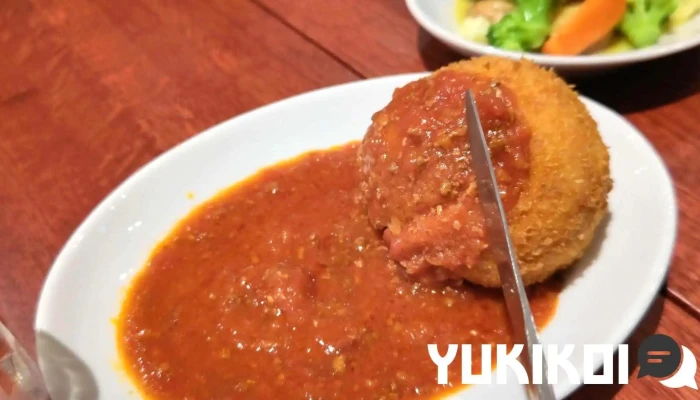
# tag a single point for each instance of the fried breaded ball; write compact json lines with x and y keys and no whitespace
{"x":551,"y":165}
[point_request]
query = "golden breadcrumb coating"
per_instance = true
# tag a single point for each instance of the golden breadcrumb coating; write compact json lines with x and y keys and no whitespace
{"x":556,"y":217}
{"x":562,"y":203}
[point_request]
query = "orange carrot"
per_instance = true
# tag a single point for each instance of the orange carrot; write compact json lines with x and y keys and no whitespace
{"x":590,"y":23}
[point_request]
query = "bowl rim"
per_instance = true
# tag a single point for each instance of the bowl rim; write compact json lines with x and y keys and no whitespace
{"x":633,"y":56}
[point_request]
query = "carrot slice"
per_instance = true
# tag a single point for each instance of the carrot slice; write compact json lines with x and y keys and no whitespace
{"x":590,"y":23}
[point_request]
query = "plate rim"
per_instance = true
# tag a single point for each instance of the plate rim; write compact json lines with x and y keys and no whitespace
{"x":627,"y":327}
{"x":624,"y":329}
{"x":594,"y":61}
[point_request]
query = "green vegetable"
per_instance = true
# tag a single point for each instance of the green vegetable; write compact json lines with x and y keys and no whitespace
{"x":644,"y":21}
{"x":525,"y":28}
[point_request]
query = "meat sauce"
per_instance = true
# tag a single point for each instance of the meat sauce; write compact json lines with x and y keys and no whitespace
{"x":281,"y":288}
{"x":418,"y":179}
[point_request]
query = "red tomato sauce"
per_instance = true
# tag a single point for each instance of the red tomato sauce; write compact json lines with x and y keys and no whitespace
{"x":279,"y":287}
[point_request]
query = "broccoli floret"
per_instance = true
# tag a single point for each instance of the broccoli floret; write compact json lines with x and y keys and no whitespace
{"x":643,"y":23}
{"x":525,"y":28}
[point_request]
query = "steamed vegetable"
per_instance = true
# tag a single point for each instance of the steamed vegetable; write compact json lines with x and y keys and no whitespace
{"x":563,"y":14}
{"x":525,"y":28}
{"x":492,"y":10}
{"x":644,"y":21}
{"x":571,"y":27}
{"x":685,"y":11}
{"x":592,"y":21}
{"x":461,"y":8}
{"x":475,"y":28}
{"x":619,"y":44}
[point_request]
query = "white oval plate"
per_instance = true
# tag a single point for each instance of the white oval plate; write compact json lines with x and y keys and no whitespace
{"x":437,"y":18}
{"x":84,"y":289}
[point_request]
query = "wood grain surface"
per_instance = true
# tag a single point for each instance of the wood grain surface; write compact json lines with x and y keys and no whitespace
{"x":91,"y":90}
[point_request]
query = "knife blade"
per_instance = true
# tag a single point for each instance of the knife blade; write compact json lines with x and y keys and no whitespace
{"x":501,"y":245}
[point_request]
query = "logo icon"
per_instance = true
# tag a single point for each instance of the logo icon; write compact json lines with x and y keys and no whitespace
{"x":661,"y":356}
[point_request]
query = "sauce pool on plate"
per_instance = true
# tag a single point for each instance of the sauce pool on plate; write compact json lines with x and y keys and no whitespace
{"x":279,"y":287}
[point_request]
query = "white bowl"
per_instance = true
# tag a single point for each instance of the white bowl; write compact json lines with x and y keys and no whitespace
{"x":437,"y":17}
{"x":76,"y":340}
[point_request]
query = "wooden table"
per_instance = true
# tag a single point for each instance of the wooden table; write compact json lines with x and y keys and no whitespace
{"x":91,"y":90}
